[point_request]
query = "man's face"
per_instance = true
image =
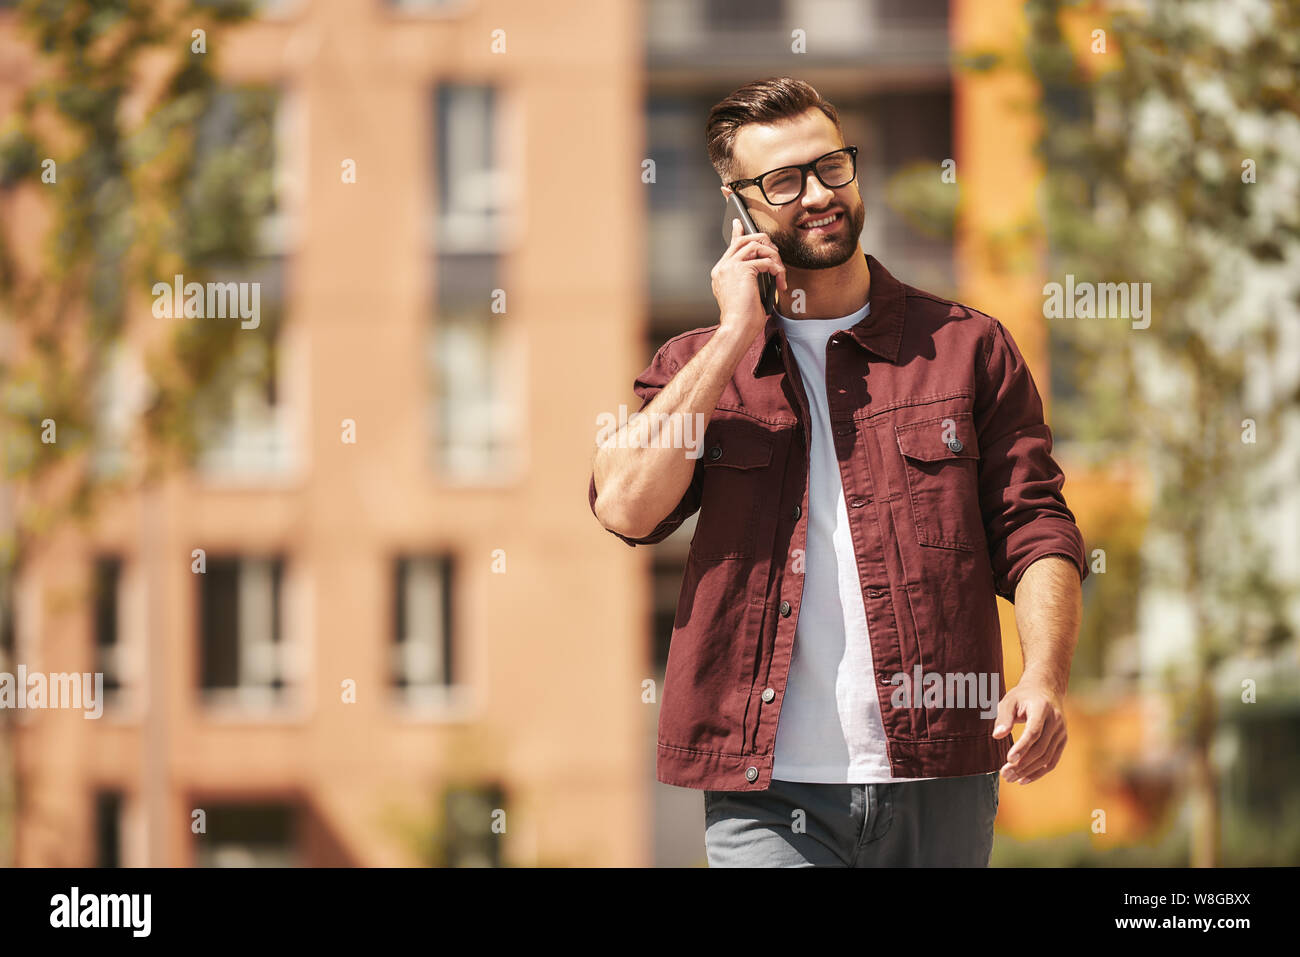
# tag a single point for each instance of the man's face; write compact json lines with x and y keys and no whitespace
{"x":760,"y":147}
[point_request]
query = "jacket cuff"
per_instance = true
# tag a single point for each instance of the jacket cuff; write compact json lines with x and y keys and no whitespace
{"x":1040,"y":538}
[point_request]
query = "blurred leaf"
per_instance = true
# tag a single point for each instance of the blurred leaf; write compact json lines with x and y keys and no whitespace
{"x":927,"y":204}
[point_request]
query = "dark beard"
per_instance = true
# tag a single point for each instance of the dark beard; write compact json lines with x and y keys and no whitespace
{"x":795,"y":250}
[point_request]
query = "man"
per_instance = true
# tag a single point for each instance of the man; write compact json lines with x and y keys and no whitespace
{"x":875,"y":469}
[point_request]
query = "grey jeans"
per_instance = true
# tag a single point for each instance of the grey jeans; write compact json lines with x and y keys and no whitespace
{"x":942,"y":822}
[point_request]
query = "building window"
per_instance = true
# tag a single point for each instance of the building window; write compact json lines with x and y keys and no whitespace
{"x":119,"y":397}
{"x":423,"y":666}
{"x":908,"y":136}
{"x":475,"y":420}
{"x":471,"y":188}
{"x":247,"y":162}
{"x":264,"y":8}
{"x":108,"y":829}
{"x":244,"y":425}
{"x":243,"y":656}
{"x":425,"y":6}
{"x":469,"y":837}
{"x":475,"y":369}
{"x":685,"y":206}
{"x":930,"y":13}
{"x":108,"y":619}
{"x":248,"y":835}
{"x":727,"y":15}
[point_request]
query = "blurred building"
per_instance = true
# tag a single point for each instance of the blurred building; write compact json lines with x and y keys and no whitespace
{"x":394,"y":647}
{"x":405,"y":639}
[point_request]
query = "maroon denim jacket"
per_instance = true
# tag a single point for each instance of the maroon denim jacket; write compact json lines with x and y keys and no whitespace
{"x":952,"y":492}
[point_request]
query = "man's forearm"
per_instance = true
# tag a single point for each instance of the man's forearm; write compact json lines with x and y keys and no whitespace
{"x":638,"y":482}
{"x":1049,"y":607}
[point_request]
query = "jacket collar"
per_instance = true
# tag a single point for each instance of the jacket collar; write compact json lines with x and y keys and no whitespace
{"x":880,"y":332}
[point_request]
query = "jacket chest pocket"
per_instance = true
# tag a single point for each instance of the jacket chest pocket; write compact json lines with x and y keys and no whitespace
{"x":735,"y":468}
{"x":941,"y":463}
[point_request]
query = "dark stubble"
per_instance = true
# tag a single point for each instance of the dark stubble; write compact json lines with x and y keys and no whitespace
{"x":802,"y":251}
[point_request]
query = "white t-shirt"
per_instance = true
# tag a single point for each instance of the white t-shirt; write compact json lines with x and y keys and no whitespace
{"x":830,"y":730}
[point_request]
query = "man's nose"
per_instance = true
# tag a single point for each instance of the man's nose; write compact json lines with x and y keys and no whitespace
{"x":815,"y":194}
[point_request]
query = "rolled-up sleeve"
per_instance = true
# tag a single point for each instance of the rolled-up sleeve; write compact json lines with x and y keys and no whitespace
{"x":1025,"y":515}
{"x":648,"y":385}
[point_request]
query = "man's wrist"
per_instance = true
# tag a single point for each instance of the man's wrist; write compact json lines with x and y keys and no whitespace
{"x":1054,"y":682}
{"x":733,"y":341}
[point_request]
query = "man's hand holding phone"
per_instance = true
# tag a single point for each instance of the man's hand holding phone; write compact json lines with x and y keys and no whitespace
{"x":735,"y":281}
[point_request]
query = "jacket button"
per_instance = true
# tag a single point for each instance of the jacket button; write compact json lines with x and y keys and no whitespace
{"x":785,"y":609}
{"x":751,"y":774}
{"x":715,"y":453}
{"x":797,"y":512}
{"x":857,"y":503}
{"x":875,"y":593}
{"x":955,"y":445}
{"x":768,"y":694}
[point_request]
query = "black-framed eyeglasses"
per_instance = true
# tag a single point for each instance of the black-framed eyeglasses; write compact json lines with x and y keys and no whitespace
{"x":786,"y":184}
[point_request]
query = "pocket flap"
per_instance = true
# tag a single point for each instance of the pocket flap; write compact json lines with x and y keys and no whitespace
{"x":939,"y":438}
{"x":737,"y":453}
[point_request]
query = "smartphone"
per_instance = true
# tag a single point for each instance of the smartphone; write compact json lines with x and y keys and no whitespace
{"x":736,"y":210}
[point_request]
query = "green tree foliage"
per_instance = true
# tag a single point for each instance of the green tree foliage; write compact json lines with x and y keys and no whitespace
{"x":142,"y":180}
{"x":1173,"y":158}
{"x":143,"y":174}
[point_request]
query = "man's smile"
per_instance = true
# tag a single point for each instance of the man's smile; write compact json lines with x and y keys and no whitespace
{"x":823,"y":224}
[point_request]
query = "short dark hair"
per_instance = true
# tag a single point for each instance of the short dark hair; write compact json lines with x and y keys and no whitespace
{"x":762,"y":101}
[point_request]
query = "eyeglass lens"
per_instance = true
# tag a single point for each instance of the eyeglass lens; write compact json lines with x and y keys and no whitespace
{"x":784,"y":184}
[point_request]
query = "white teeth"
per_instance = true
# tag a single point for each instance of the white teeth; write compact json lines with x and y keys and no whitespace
{"x":821,"y":222}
